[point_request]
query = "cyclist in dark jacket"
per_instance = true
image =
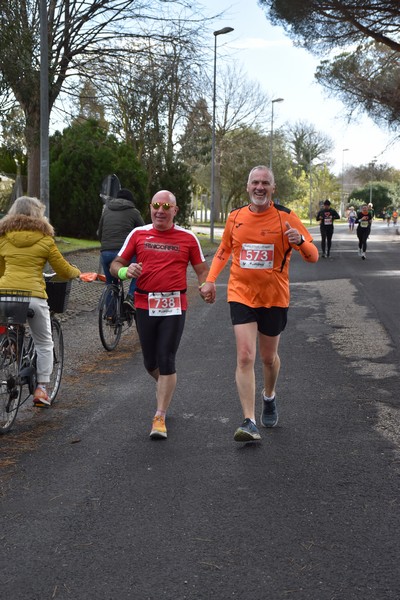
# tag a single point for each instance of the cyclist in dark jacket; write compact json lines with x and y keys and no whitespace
{"x":118,"y":218}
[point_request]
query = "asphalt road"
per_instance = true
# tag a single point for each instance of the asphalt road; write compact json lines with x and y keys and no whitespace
{"x":92,"y":509}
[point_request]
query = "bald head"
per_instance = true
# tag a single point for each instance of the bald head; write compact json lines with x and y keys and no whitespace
{"x":163,"y":209}
{"x":164,"y":196}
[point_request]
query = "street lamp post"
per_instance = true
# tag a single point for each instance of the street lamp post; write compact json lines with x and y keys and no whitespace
{"x":310,"y":159}
{"x":310,"y":177}
{"x":271,"y":142}
{"x":212,"y":202}
{"x":44,"y":108}
{"x":371,"y":165}
{"x":342,"y":199}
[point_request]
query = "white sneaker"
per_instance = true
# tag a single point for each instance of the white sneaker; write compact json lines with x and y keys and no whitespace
{"x":363,"y":256}
{"x":359,"y":252}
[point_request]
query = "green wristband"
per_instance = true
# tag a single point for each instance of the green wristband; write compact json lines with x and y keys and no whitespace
{"x":122,"y":273}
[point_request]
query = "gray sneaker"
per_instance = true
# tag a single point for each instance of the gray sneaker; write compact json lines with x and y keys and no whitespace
{"x":247,"y":432}
{"x":269,"y":414}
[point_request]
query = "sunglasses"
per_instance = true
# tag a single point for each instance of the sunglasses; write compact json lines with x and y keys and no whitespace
{"x":165,"y":205}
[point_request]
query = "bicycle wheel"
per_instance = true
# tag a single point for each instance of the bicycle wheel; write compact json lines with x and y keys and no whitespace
{"x":58,"y":359}
{"x":110,"y":322}
{"x":10,"y":390}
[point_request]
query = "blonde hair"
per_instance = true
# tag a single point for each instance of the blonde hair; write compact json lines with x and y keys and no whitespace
{"x":29,"y":206}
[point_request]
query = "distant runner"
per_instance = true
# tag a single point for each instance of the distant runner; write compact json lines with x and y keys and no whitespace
{"x":363,"y":221}
{"x":326,"y":216}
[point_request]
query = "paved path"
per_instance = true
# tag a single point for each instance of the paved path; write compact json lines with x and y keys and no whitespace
{"x":92,"y":509}
{"x":84,"y":296}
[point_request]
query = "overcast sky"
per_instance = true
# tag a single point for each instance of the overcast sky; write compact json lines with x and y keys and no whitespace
{"x":287,"y":72}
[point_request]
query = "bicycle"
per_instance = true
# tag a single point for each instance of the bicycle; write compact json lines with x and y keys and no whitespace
{"x":17,"y":349}
{"x":114,"y":318}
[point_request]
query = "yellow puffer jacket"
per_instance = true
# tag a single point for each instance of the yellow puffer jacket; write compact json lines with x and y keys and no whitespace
{"x":26,"y":245}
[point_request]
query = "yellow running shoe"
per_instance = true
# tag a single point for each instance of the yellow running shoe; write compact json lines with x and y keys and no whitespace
{"x":158,"y":430}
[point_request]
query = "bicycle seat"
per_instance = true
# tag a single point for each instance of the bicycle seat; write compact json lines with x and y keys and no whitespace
{"x":49,"y":276}
{"x":54,"y":277}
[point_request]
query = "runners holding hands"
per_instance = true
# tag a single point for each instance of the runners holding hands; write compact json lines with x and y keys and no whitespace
{"x":163,"y":251}
{"x":260,"y":237}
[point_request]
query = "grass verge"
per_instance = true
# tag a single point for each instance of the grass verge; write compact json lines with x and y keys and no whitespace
{"x":66,"y":244}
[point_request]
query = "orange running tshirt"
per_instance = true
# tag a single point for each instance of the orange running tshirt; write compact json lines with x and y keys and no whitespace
{"x":259,"y":275}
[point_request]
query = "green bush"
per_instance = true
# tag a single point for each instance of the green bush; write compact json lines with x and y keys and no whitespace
{"x":80,"y":158}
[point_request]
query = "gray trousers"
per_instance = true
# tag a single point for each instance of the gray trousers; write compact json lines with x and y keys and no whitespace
{"x":40,"y":326}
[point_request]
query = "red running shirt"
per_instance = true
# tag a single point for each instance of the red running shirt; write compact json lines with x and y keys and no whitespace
{"x":165,"y":256}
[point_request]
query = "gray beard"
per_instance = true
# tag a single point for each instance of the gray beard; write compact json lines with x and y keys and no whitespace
{"x":259,"y":202}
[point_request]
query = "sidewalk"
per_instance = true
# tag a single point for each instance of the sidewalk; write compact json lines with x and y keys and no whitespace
{"x":84,"y":297}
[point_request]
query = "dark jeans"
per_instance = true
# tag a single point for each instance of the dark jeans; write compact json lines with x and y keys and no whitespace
{"x":326,"y":238}
{"x":106,"y":257}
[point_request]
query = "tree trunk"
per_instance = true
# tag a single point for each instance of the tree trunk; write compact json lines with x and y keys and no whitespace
{"x":34,"y":172}
{"x":33,"y":151}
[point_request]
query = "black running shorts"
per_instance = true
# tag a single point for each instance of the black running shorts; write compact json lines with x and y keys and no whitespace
{"x":270,"y":321}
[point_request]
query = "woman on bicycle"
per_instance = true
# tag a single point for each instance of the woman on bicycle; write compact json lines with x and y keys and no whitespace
{"x":26,"y":245}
